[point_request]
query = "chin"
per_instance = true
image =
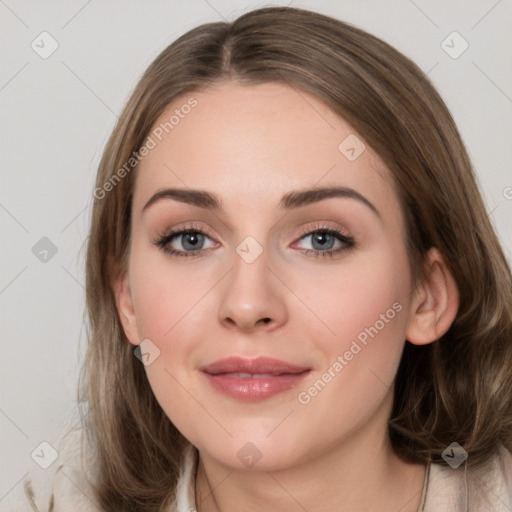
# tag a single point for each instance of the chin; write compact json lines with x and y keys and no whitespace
{"x":253,"y":449}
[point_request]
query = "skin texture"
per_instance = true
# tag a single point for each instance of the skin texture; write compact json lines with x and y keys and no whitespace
{"x":250,"y":145}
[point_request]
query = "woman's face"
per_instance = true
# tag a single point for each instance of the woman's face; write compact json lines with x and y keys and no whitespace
{"x":319,"y":282}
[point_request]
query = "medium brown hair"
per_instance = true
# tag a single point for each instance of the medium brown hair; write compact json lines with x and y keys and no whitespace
{"x":458,"y":388}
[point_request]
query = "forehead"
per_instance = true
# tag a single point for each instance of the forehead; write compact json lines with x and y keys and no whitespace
{"x":255,"y":142}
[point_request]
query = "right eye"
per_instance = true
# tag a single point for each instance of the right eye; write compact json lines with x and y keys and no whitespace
{"x":191,"y":240}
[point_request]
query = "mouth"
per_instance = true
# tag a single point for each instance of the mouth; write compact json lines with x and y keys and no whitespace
{"x":253,"y":379}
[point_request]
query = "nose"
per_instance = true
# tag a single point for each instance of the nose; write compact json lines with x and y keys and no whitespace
{"x":252,"y":297}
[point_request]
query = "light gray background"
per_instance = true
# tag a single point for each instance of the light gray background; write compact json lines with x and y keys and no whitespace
{"x":56,"y":114}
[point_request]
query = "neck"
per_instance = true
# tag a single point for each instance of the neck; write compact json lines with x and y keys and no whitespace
{"x":358,"y":473}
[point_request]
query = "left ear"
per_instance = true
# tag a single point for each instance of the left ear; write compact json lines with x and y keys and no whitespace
{"x":435,"y":302}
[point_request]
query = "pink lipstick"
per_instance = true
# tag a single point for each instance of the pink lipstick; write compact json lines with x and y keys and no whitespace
{"x":253,"y":379}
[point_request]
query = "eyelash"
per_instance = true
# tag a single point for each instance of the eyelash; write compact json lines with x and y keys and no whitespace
{"x":348,"y":241}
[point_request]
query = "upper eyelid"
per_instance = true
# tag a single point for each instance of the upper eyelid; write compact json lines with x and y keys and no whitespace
{"x":307,"y":231}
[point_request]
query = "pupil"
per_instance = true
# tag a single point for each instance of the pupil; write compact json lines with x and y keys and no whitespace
{"x":322,"y":239}
{"x":191,"y":239}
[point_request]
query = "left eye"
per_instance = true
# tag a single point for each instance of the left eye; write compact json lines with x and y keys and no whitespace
{"x":323,"y":241}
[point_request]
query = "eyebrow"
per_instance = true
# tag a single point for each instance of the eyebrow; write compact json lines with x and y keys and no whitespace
{"x":291,"y":200}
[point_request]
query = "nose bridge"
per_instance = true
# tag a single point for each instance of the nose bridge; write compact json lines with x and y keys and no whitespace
{"x":249,"y":275}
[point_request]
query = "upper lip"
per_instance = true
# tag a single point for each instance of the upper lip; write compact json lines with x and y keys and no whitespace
{"x":258,"y":365}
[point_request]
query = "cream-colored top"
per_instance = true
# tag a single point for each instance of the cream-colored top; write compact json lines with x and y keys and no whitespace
{"x":445,"y":489}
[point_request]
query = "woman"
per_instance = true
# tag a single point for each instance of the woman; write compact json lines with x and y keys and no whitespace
{"x":296,"y":299}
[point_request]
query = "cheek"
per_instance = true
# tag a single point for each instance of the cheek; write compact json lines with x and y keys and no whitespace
{"x":355,"y":296}
{"x":364,"y":308}
{"x":167,"y":301}
{"x":164,"y":293}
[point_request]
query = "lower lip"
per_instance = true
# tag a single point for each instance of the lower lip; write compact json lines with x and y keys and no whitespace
{"x":254,"y":389}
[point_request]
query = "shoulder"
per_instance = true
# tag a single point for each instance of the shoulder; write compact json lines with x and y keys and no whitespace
{"x":482,"y":489}
{"x":66,"y":486}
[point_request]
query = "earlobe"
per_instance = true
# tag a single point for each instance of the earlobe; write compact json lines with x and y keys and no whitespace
{"x":125,"y":309}
{"x":435,"y":302}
